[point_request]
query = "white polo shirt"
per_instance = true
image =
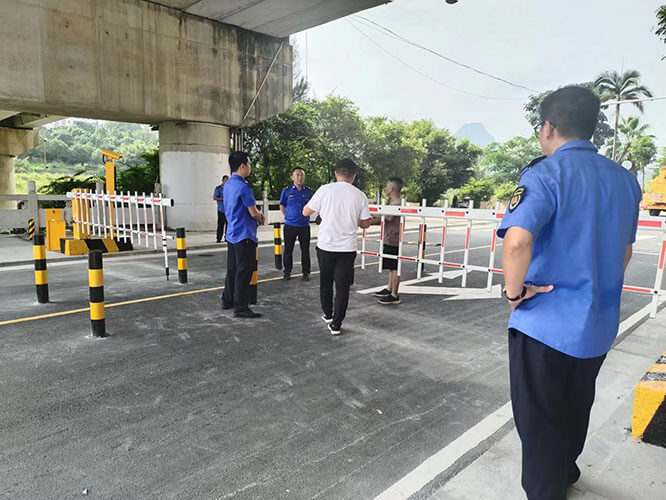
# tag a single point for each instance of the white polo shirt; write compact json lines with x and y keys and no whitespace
{"x":340,"y":206}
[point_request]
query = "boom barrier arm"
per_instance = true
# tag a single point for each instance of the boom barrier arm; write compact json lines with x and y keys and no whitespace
{"x":494,"y":218}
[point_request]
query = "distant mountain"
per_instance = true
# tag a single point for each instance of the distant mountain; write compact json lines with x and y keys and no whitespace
{"x":476,"y":133}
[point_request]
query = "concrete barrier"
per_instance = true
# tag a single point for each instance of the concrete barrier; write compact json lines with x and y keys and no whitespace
{"x":649,"y":417}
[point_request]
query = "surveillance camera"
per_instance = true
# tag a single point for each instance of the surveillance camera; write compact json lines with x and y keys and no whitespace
{"x":451,"y":2}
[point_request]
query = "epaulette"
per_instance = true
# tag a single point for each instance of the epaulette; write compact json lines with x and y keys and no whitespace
{"x":532,"y":163}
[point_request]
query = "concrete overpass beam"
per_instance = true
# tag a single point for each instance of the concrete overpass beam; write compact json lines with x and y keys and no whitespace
{"x":193,"y":159}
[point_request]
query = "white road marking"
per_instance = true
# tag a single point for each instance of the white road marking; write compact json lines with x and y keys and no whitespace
{"x":447,"y":275}
{"x":456,"y":293}
{"x":437,"y":464}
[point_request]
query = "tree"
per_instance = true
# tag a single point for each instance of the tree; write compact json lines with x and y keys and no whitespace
{"x":603,"y":131}
{"x":629,"y":131}
{"x":478,"y":190}
{"x":641,"y":153}
{"x":504,"y":191}
{"x":446,"y":162}
{"x":505,"y":161}
{"x":621,"y":87}
{"x":389,"y":151}
{"x":661,"y":24}
{"x":141,"y":177}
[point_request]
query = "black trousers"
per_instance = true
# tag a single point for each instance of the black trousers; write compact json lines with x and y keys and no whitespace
{"x":552,"y":395}
{"x":240,"y":263}
{"x":335,"y":268}
{"x":290,"y":235}
{"x":221,"y":225}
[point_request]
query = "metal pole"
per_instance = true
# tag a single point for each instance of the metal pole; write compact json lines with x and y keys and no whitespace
{"x":164,"y":240}
{"x":181,"y":246}
{"x":467,"y":238}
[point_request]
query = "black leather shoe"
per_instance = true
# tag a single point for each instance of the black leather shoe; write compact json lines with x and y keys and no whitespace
{"x":287,"y":276}
{"x":306,"y":277}
{"x":227,"y":306}
{"x":247,"y":313}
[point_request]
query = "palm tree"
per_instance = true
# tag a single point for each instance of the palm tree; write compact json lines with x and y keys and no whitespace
{"x":621,"y":87}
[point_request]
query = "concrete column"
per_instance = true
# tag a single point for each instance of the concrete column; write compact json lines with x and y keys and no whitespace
{"x":13,"y":142}
{"x":193,"y":159}
{"x":7,"y":183}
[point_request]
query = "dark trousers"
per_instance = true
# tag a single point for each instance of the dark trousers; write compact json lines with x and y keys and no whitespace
{"x":335,"y":268}
{"x":240,"y":264}
{"x":290,"y":235}
{"x":551,"y":394}
{"x":221,"y":225}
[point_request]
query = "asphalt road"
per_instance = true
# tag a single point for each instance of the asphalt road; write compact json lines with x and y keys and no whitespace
{"x":184,"y":401}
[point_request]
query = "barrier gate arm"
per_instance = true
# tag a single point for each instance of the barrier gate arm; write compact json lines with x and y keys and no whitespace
{"x":469,"y":215}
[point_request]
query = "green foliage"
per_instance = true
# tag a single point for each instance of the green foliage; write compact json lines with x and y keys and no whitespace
{"x":446,"y":162}
{"x":66,"y":183}
{"x":81,"y":143}
{"x":505,"y":161}
{"x":504,"y":191}
{"x":142,"y":177}
{"x":603,"y":132}
{"x":478,"y":189}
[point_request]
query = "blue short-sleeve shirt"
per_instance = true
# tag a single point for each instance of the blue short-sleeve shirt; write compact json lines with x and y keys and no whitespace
{"x":293,"y":202}
{"x":219,"y":193}
{"x":582,"y":210}
{"x":238,"y":196}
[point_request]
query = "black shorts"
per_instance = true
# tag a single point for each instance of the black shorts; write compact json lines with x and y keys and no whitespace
{"x":390,"y":264}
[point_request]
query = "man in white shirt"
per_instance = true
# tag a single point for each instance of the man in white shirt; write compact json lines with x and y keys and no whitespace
{"x":343,"y":208}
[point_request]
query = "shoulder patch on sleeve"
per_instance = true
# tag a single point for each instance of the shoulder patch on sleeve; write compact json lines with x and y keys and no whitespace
{"x":517,"y":197}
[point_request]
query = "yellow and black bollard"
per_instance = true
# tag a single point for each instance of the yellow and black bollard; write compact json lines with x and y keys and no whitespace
{"x":277,"y":240}
{"x":96,"y":284}
{"x":31,"y":228}
{"x":255,"y":278}
{"x":181,"y":246}
{"x":41,"y":278}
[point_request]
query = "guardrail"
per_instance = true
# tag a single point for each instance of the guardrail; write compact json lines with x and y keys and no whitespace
{"x":11,"y":219}
{"x":494,"y":218}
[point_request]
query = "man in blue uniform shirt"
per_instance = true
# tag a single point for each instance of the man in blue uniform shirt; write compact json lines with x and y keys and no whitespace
{"x":568,"y":234}
{"x":296,"y":225}
{"x":218,"y":196}
{"x":242,"y":215}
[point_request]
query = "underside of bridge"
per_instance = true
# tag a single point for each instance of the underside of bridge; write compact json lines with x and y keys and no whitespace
{"x":194,"y":68}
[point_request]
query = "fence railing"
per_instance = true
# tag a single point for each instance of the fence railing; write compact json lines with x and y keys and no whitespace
{"x":469,"y":216}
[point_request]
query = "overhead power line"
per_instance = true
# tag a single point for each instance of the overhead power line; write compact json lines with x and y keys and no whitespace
{"x":425,"y":75}
{"x":446,"y":58}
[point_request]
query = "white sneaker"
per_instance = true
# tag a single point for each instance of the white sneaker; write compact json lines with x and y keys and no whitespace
{"x":334,"y":331}
{"x":328,"y":321}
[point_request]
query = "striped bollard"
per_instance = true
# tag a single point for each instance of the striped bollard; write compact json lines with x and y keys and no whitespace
{"x":31,"y":228}
{"x":255,"y":278}
{"x":181,"y":246}
{"x":41,"y":278}
{"x":277,"y":241}
{"x":96,"y":284}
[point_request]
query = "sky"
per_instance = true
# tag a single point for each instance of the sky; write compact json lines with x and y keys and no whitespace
{"x":537,"y":44}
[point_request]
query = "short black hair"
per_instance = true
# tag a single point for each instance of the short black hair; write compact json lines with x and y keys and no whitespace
{"x":225,"y":177}
{"x":397,"y":183}
{"x":297,"y":168}
{"x":238,"y":158}
{"x":346,"y":168}
{"x":573,"y":111}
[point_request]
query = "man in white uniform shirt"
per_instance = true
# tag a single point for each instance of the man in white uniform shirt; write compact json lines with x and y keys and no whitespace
{"x":343,"y":208}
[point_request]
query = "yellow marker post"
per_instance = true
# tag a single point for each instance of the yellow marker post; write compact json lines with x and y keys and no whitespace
{"x":181,"y":246}
{"x":41,"y":277}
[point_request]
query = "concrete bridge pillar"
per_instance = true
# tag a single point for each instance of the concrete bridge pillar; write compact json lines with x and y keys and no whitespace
{"x":13,"y":142}
{"x":193,"y":159}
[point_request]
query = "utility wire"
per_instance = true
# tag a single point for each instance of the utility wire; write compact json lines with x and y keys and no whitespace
{"x":439,"y":82}
{"x":446,"y":58}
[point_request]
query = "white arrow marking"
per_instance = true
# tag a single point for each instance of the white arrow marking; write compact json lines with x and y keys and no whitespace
{"x":456,"y":293}
{"x":448,"y":275}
